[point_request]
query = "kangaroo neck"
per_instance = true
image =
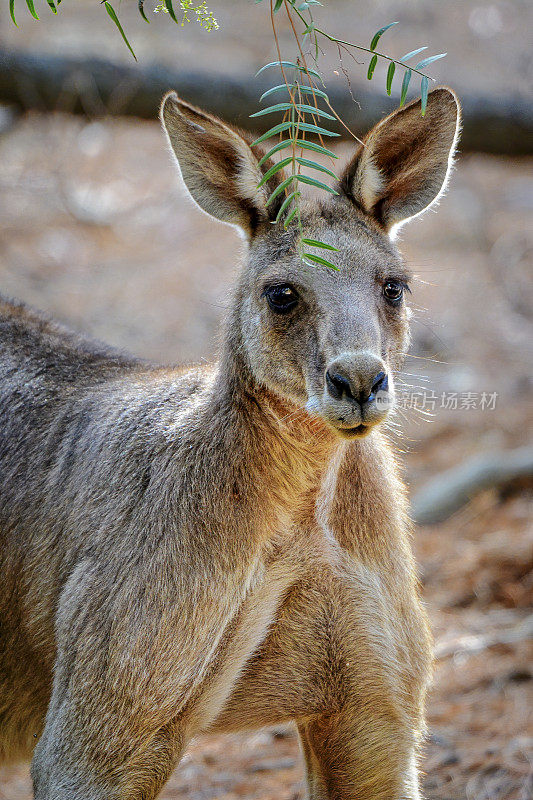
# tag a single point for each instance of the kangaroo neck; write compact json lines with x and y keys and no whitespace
{"x":279,"y":447}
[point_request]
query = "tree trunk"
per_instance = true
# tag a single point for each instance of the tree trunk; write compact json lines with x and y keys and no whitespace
{"x":96,"y":87}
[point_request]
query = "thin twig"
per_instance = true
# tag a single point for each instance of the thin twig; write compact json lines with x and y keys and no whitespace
{"x":363,"y":49}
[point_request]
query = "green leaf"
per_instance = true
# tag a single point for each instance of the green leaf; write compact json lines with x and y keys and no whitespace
{"x":390,"y":75}
{"x":286,"y":203}
{"x":283,"y":126}
{"x":407,"y":56}
{"x":314,"y":182}
{"x":314,"y":110}
{"x":323,"y":245}
{"x":301,"y":126}
{"x":140,"y":6}
{"x":290,"y":217}
{"x":305,"y":162}
{"x":272,"y":171}
{"x":276,"y":89}
{"x":111,"y":11}
{"x":281,"y":188}
{"x":430,"y":60}
{"x":12,"y":11}
{"x":310,"y":257}
{"x":280,"y":64}
{"x":372,"y":67}
{"x":377,"y":36}
{"x":273,"y":109}
{"x":287,"y":106}
{"x":405,"y":86}
{"x":313,"y":90}
{"x":424,"y":86}
{"x":170,"y":9}
{"x":303,"y":89}
{"x":31,"y":8}
{"x":52,"y":6}
{"x":279,"y":146}
{"x":278,"y":5}
{"x":317,"y":148}
{"x":305,"y":126}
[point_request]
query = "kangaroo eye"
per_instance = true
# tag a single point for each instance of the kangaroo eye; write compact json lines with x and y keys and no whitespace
{"x":393,"y":291}
{"x":281,"y":298}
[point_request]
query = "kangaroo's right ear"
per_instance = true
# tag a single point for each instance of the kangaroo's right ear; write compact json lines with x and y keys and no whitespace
{"x":219,"y":167}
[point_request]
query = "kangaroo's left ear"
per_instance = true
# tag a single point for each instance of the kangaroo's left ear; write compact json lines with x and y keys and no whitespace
{"x":404,"y":163}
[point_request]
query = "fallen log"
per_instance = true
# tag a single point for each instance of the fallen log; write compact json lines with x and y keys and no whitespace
{"x":449,"y":491}
{"x":95,"y":87}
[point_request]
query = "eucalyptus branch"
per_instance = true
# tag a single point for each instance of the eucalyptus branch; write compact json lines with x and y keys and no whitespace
{"x":302,"y":114}
{"x":204,"y":17}
{"x":296,"y":112}
{"x":373,"y":52}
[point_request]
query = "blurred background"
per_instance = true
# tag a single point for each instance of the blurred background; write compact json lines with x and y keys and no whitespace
{"x":95,"y":231}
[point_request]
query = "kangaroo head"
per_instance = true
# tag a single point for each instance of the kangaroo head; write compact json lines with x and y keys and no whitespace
{"x":329,"y":341}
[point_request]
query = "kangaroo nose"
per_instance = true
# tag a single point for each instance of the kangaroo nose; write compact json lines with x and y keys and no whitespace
{"x":380,"y":384}
{"x":359,"y":388}
{"x":338,"y":385}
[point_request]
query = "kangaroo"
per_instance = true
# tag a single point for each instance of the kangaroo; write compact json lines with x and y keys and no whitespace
{"x":225,"y":547}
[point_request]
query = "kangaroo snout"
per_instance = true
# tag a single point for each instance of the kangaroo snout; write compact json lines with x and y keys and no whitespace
{"x":359,"y":388}
{"x":357,"y":392}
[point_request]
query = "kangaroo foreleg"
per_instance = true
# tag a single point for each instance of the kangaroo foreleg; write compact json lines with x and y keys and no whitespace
{"x":360,"y":754}
{"x":329,"y":663}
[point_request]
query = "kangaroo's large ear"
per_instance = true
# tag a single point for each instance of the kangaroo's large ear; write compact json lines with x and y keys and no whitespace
{"x":219,"y":167}
{"x":403,"y":165}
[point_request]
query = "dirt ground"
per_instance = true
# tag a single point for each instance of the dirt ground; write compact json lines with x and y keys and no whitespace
{"x":94,"y":231}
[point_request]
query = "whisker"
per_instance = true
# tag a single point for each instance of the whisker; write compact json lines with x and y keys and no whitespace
{"x":425,"y":358}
